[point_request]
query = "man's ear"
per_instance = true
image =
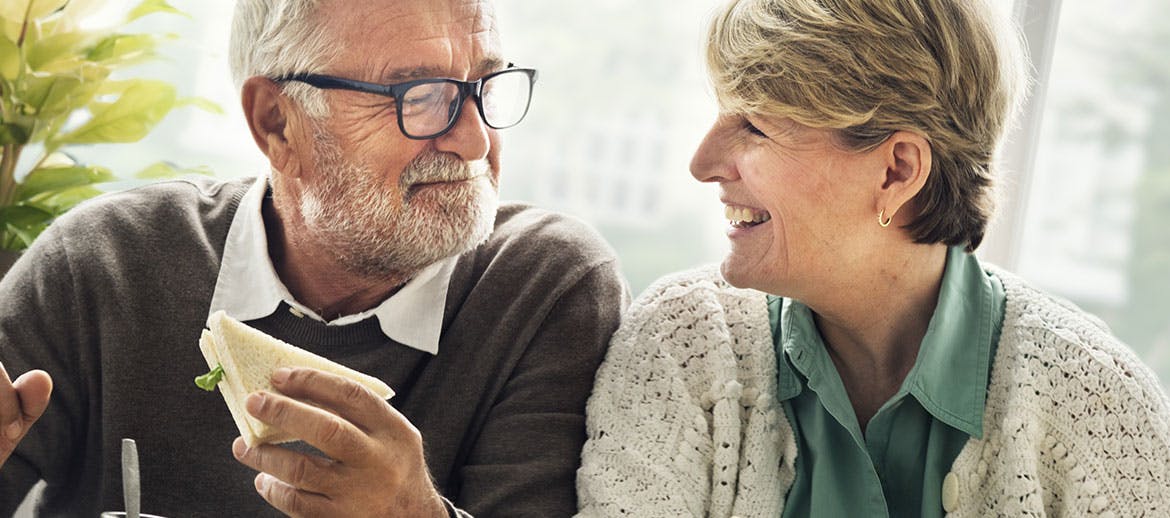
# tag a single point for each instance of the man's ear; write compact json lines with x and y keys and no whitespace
{"x":907,"y":159}
{"x":267,"y":110}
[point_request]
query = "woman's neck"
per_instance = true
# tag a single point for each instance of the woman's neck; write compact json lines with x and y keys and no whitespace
{"x":873,"y":329}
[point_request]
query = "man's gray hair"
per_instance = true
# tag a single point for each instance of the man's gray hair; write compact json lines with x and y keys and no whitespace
{"x":274,"y":38}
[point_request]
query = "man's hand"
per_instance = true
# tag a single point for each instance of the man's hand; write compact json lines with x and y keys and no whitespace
{"x":375,"y":465}
{"x":21,"y":404}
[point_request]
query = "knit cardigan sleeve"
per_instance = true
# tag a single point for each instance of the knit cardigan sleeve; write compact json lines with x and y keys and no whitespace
{"x":1075,"y":424}
{"x":681,"y":412}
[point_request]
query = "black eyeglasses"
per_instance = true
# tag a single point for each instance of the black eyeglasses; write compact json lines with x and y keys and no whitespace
{"x":428,"y":108}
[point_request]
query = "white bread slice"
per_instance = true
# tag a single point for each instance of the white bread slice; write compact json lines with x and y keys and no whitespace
{"x":249,"y":357}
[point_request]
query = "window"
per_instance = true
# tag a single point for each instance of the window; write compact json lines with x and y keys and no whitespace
{"x":1095,"y":220}
{"x":621,"y":105}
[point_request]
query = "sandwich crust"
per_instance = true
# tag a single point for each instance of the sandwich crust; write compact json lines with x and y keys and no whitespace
{"x":249,"y":357}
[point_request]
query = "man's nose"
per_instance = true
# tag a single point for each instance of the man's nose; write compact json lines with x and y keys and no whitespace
{"x":469,"y":137}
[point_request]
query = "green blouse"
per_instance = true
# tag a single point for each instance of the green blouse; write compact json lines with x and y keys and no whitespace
{"x":898,"y":467}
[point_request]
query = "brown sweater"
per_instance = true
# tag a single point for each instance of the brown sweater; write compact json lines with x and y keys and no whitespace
{"x":111,"y":300}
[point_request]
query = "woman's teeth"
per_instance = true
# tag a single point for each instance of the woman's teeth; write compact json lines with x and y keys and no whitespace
{"x":742,"y":217}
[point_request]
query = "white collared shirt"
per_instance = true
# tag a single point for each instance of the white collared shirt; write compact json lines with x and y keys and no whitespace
{"x":248,"y":288}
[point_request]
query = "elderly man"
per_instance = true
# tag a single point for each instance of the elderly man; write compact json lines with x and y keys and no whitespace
{"x":376,"y":241}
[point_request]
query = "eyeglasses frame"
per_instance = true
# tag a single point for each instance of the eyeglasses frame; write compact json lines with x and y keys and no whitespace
{"x":473,"y":89}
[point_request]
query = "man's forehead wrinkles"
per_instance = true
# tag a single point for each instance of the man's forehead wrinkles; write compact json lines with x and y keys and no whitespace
{"x":481,"y":16}
{"x":423,"y":26}
{"x":396,"y":75}
{"x":401,"y":40}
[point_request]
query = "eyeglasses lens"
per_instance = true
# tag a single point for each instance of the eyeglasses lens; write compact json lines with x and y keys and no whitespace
{"x":427,"y":108}
{"x":505,"y":99}
{"x":430,"y":108}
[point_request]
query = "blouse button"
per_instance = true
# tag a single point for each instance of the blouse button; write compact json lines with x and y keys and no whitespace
{"x":950,"y":492}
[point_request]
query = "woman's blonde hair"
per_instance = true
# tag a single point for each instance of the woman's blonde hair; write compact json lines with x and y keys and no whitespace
{"x":949,"y":70}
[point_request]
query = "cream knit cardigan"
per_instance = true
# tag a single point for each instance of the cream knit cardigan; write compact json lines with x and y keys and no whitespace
{"x":682,"y":420}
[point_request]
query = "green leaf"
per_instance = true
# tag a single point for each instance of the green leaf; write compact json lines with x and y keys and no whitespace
{"x":15,"y":9}
{"x":157,"y":171}
{"x":47,"y":95}
{"x":61,"y":202}
{"x":123,"y":49}
{"x":140,"y":107}
{"x":24,"y":215}
{"x":24,"y":237}
{"x":67,"y":46}
{"x":211,"y":379}
{"x":150,"y":7}
{"x":12,"y":133}
{"x":10,"y":62}
{"x":11,"y":28}
{"x":202,"y":103}
{"x":26,"y":222}
{"x":165,"y":170}
{"x":56,"y":179}
{"x":37,"y":88}
{"x":39,"y":28}
{"x":49,"y":99}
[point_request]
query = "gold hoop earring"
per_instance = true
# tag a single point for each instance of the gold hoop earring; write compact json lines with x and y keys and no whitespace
{"x":881,"y":216}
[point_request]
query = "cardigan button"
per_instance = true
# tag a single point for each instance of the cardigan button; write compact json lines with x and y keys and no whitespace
{"x":950,"y":492}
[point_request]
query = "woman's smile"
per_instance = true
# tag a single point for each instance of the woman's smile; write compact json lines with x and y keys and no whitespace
{"x":743,"y":220}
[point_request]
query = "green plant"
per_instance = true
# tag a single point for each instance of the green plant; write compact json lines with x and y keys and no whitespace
{"x":57,"y":89}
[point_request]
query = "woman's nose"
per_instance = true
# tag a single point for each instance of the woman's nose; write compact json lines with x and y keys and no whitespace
{"x":711,"y":162}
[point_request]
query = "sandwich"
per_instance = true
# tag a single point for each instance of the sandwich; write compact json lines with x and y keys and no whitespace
{"x":242,"y":360}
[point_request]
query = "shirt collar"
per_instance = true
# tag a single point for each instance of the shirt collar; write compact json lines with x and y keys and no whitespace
{"x":248,"y":288}
{"x":788,"y":385}
{"x":949,"y":377}
{"x":807,"y":357}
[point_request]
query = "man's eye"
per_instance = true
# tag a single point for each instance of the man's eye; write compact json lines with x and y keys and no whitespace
{"x":413,"y":99}
{"x":425,"y":98}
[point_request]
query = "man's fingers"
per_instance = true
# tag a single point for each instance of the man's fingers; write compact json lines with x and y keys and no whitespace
{"x":292,"y":501}
{"x":22,"y":402}
{"x":341,"y":396}
{"x":302,"y":471}
{"x":334,"y":436}
{"x":34,"y":388}
{"x":10,"y":414}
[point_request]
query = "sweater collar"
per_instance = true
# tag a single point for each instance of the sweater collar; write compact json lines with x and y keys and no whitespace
{"x":248,"y":287}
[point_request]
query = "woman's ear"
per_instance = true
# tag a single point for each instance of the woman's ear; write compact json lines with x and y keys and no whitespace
{"x":267,"y":110}
{"x":907,"y":159}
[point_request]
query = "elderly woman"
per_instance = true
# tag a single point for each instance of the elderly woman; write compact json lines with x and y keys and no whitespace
{"x":851,"y":357}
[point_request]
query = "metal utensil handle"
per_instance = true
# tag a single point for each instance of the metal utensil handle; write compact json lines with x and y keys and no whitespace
{"x":131,"y":490}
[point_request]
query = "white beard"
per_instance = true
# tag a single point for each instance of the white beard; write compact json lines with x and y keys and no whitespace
{"x":378,"y":232}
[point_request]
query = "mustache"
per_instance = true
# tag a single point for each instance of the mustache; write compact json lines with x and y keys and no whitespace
{"x":436,"y":167}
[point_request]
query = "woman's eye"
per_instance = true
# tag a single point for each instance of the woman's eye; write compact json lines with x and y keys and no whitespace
{"x":751,"y":128}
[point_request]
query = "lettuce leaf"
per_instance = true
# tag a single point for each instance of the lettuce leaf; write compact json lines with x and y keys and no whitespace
{"x":211,"y":379}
